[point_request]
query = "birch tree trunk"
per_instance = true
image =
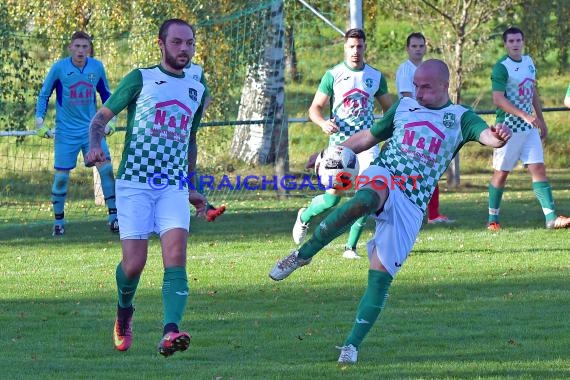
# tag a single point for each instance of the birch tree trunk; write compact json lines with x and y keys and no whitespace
{"x":263,"y":98}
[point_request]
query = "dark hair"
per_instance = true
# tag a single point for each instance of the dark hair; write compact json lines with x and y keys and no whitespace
{"x":80,"y":34}
{"x":415,"y":35}
{"x":512,"y":30}
{"x":163,"y":31}
{"x":355,"y":33}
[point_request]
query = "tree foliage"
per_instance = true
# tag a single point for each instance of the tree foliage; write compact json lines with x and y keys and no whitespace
{"x":18,"y":76}
{"x":464,"y":26}
{"x":546,"y":25}
{"x":125,"y":35}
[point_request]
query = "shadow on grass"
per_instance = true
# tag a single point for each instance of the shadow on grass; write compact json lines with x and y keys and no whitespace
{"x":265,"y":218}
{"x":272,"y":330}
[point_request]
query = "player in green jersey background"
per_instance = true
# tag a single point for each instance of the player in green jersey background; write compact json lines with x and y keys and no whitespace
{"x":518,"y":106}
{"x":350,"y":89}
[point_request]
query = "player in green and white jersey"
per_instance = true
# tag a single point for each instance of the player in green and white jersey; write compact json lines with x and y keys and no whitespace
{"x":423,"y":135}
{"x":519,"y":107}
{"x":350,"y":89}
{"x":152,"y":188}
{"x":567,"y":97}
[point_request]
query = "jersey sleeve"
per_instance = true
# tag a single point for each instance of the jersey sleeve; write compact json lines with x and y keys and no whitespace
{"x":127,"y":91}
{"x":383,"y":129}
{"x":383,"y":87}
{"x":198,"y":116}
{"x":499,"y":77}
{"x":404,"y":80}
{"x":326,"y":85}
{"x":50,"y":83}
{"x":471,"y":126}
{"x":200,"y":111}
{"x":103,"y":85}
{"x":206,"y":88}
{"x":568,"y":91}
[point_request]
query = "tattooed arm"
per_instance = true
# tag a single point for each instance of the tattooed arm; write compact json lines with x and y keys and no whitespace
{"x":96,"y":134}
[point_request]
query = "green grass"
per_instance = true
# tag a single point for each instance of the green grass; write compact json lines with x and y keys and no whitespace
{"x":468,"y":303}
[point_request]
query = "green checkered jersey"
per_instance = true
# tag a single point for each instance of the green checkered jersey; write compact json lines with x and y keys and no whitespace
{"x":352,"y":95}
{"x":161,"y":108}
{"x":517,"y":79}
{"x":421,"y":142}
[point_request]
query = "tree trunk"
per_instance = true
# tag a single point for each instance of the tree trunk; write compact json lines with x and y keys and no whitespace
{"x":263,"y":98}
{"x":456,"y":82}
{"x":291,"y":56}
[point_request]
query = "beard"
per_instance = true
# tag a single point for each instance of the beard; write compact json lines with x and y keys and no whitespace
{"x":175,"y":61}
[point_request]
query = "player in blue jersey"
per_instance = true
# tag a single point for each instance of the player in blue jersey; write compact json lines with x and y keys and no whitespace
{"x":164,"y":104}
{"x":422,"y":137}
{"x":76,"y":80}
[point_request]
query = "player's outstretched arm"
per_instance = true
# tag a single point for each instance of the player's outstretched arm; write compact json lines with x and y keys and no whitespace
{"x":361,"y":141}
{"x":496,"y":136}
{"x":96,"y":134}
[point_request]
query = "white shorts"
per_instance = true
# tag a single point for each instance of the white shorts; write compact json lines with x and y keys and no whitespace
{"x":525,"y":146}
{"x":366,"y":157}
{"x":142,"y":211}
{"x":397,"y":226}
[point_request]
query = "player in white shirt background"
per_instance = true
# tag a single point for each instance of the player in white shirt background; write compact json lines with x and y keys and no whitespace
{"x":416,"y":49}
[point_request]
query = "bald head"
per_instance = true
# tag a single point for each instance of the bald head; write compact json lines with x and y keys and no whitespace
{"x":432,"y":83}
{"x":435,"y":68}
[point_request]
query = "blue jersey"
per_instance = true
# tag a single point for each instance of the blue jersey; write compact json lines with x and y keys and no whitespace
{"x":76,"y":101}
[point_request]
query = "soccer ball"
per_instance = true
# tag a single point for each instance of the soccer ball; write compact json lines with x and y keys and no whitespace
{"x":336,"y":166}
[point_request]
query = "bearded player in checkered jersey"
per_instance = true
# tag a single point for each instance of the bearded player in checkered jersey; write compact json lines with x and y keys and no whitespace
{"x":515,"y":95}
{"x":350,"y":89}
{"x":162,"y":104}
{"x":423,"y":135}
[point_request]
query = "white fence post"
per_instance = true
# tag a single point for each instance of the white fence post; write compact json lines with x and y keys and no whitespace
{"x":97,"y":189}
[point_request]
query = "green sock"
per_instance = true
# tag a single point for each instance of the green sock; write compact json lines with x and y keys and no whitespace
{"x":356,"y":231}
{"x":126,"y":287}
{"x":319,"y":204}
{"x":495,"y":196}
{"x":543,"y":193}
{"x":174,"y":294}
{"x":364,"y":202}
{"x":370,"y":306}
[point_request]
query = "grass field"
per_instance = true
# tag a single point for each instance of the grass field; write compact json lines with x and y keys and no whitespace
{"x":468,"y":303}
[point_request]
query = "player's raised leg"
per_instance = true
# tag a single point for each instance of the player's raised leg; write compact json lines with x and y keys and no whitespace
{"x":364,"y":202}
